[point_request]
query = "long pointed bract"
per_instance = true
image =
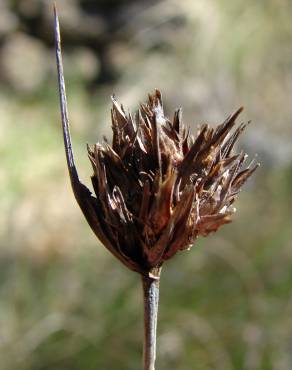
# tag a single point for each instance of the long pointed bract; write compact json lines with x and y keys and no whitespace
{"x":87,"y":202}
{"x":63,"y":105}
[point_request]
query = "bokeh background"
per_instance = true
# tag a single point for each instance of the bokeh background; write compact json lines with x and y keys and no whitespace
{"x":65,"y":303}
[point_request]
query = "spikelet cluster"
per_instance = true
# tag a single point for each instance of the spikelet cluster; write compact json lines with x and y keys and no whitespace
{"x":158,"y":187}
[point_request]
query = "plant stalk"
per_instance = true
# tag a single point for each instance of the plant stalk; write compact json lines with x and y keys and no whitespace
{"x":151,"y":299}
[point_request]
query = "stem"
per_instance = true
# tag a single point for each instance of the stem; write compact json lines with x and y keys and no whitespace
{"x":151,"y":298}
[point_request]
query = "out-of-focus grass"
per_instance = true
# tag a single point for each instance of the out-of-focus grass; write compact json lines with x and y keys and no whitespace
{"x":65,"y":303}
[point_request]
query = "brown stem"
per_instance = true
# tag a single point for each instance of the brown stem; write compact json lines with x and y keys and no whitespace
{"x":151,"y":298}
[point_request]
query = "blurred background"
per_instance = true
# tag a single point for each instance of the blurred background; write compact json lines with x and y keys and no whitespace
{"x":65,"y":303}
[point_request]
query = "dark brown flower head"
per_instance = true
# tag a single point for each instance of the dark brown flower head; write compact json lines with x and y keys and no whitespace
{"x":157,"y":187}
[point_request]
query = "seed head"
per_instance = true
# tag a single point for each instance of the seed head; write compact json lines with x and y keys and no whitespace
{"x":157,"y":187}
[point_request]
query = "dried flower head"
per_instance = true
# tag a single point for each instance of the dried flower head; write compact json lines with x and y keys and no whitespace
{"x":157,"y":187}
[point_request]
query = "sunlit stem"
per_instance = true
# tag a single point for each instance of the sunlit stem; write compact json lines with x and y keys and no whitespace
{"x":151,"y":299}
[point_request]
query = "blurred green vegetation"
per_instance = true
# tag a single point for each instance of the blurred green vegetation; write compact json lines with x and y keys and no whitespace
{"x":65,"y":303}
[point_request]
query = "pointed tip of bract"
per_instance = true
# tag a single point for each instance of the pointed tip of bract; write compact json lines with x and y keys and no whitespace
{"x":114,"y":101}
{"x":56,"y":17}
{"x":158,"y":95}
{"x":155,"y":99}
{"x":236,"y":113}
{"x":256,"y":166}
{"x":57,"y":27}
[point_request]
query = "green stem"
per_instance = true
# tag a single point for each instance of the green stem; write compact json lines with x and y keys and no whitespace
{"x":151,"y":298}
